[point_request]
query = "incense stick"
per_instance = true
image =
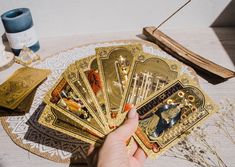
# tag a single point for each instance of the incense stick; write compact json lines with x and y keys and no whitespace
{"x":172,"y":15}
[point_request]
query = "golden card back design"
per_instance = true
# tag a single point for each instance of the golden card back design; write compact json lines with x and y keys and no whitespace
{"x":19,"y":85}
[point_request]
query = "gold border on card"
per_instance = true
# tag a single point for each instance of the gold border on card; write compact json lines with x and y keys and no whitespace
{"x":57,"y":158}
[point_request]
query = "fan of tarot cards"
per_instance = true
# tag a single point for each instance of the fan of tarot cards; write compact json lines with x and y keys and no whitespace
{"x":94,"y":94}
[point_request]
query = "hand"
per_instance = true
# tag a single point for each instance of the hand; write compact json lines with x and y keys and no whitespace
{"x":114,"y":153}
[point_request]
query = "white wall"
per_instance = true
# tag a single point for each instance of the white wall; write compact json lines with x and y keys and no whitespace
{"x":67,"y":17}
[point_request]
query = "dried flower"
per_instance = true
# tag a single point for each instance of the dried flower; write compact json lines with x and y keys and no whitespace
{"x":197,"y":149}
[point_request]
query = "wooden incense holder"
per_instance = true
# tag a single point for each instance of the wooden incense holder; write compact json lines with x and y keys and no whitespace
{"x":183,"y":54}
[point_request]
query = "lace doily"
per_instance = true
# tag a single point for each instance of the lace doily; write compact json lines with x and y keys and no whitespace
{"x":28,"y":134}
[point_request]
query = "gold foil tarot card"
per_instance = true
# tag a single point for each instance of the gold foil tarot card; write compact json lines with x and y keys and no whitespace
{"x":19,"y":85}
{"x":73,"y":77}
{"x":168,"y":115}
{"x":63,"y":98}
{"x":90,"y":75}
{"x":23,"y":107}
{"x":149,"y":74}
{"x":114,"y":66}
{"x":55,"y":120}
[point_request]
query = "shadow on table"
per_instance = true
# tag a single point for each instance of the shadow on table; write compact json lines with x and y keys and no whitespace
{"x":226,"y":37}
{"x":227,"y":17}
{"x":78,"y":164}
{"x":226,"y":31}
{"x":5,"y":42}
{"x":4,"y":112}
{"x":38,"y":133}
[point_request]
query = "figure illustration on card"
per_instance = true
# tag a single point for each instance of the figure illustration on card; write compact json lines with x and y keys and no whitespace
{"x":93,"y":77}
{"x":68,"y":100}
{"x":169,"y":113}
{"x":122,"y":67}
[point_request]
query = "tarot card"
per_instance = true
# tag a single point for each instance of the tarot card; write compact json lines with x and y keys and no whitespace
{"x":53,"y":119}
{"x":89,"y":71}
{"x":114,"y":66}
{"x":62,"y":98}
{"x":169,"y":115}
{"x":19,"y":85}
{"x":76,"y":82}
{"x":149,"y":74}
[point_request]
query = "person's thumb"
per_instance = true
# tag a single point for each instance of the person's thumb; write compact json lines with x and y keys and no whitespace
{"x":128,"y":128}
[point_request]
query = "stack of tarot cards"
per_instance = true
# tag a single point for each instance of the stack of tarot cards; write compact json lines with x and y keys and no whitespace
{"x":94,"y":94}
{"x":17,"y":92}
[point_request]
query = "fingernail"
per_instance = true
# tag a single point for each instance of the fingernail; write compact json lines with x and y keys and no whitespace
{"x":132,"y":113}
{"x":128,"y":107}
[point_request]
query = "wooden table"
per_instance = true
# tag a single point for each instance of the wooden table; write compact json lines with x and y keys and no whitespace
{"x":217,"y":45}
